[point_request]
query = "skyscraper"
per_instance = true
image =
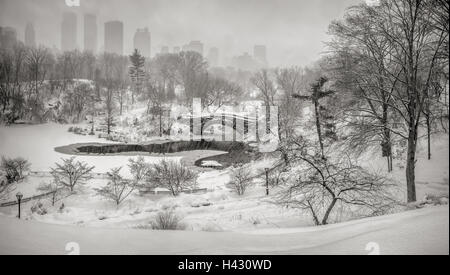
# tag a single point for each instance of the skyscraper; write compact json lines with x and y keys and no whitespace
{"x":259,"y":53}
{"x":213,"y":57}
{"x":30,"y":36}
{"x":114,"y":37}
{"x":90,"y":33}
{"x":142,"y":42}
{"x":8,"y":38}
{"x":244,"y":62}
{"x":164,"y":50}
{"x":194,"y":46}
{"x":69,"y":32}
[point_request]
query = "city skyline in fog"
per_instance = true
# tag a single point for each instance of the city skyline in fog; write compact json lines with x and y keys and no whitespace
{"x":293,"y":31}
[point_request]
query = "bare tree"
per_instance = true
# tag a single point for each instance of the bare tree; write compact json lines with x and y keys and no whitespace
{"x":78,"y":98}
{"x":291,"y":82}
{"x":172,"y":175}
{"x":219,"y":92}
{"x":118,"y":189}
{"x":418,"y":46}
{"x":264,"y":83}
{"x":138,"y":169}
{"x":39,"y":62}
{"x":38,"y":65}
{"x":191,"y":65}
{"x":12,"y":79}
{"x":121,"y":80}
{"x":70,"y":173}
{"x":109,"y":104}
{"x":241,"y":178}
{"x":55,"y":188}
{"x":321,"y":184}
{"x":156,"y":96}
{"x":108,"y":80}
{"x":362,"y":57}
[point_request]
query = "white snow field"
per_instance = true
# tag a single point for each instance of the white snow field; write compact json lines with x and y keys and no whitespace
{"x":218,"y":221}
{"x":423,"y":231}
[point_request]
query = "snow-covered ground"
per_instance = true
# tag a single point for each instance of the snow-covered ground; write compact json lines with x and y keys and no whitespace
{"x":422,"y":231}
{"x":217,"y":221}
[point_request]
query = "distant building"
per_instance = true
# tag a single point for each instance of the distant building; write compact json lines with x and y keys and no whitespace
{"x":176,"y":49}
{"x":114,"y":37}
{"x":245,"y":62}
{"x":194,"y":46}
{"x":30,"y":36}
{"x":260,"y":55}
{"x":142,"y":42}
{"x":69,"y":32}
{"x":213,"y":57}
{"x":90,"y":33}
{"x":8,"y":37}
{"x":164,"y":50}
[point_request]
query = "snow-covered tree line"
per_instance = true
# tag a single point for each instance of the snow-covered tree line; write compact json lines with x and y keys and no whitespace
{"x":382,"y":86}
{"x":38,"y":85}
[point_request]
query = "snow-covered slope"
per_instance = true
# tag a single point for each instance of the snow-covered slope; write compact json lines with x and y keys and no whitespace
{"x":424,"y":231}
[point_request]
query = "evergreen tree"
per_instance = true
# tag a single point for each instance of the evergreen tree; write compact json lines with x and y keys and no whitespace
{"x":321,"y":116}
{"x":137,"y":72}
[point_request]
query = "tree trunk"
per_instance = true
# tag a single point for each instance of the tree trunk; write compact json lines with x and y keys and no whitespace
{"x":428,"y":134}
{"x":411,"y":163}
{"x":387,"y":145}
{"x":108,"y":124}
{"x":53,"y":198}
{"x":327,"y":214}
{"x":316,"y":220}
{"x":319,"y":131}
{"x":160,"y":122}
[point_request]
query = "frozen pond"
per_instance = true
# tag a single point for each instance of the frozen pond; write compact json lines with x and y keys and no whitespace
{"x":37,"y":143}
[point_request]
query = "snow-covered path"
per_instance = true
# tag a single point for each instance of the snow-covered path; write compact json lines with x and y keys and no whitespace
{"x":424,"y":231}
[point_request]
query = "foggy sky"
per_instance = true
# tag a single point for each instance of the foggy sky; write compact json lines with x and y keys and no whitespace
{"x":292,"y":30}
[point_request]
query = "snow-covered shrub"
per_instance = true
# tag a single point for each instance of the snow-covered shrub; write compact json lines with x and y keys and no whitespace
{"x":71,"y":173}
{"x":15,"y":168}
{"x":210,"y":227}
{"x":172,"y":175}
{"x":255,"y":220}
{"x":167,"y":220}
{"x":56,"y":190}
{"x":138,"y":169}
{"x":39,"y":209}
{"x":241,"y":178}
{"x":435,"y":199}
{"x":117,"y":189}
{"x":61,"y":208}
{"x":199,"y":203}
{"x":5,"y":187}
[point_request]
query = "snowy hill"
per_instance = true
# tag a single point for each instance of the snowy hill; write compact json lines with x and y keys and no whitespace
{"x":404,"y":233}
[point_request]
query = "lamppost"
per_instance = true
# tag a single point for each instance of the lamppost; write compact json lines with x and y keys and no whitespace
{"x":19,"y":197}
{"x":267,"y":181}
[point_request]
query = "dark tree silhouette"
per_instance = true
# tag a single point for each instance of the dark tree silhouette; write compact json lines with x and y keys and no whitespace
{"x":317,"y":92}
